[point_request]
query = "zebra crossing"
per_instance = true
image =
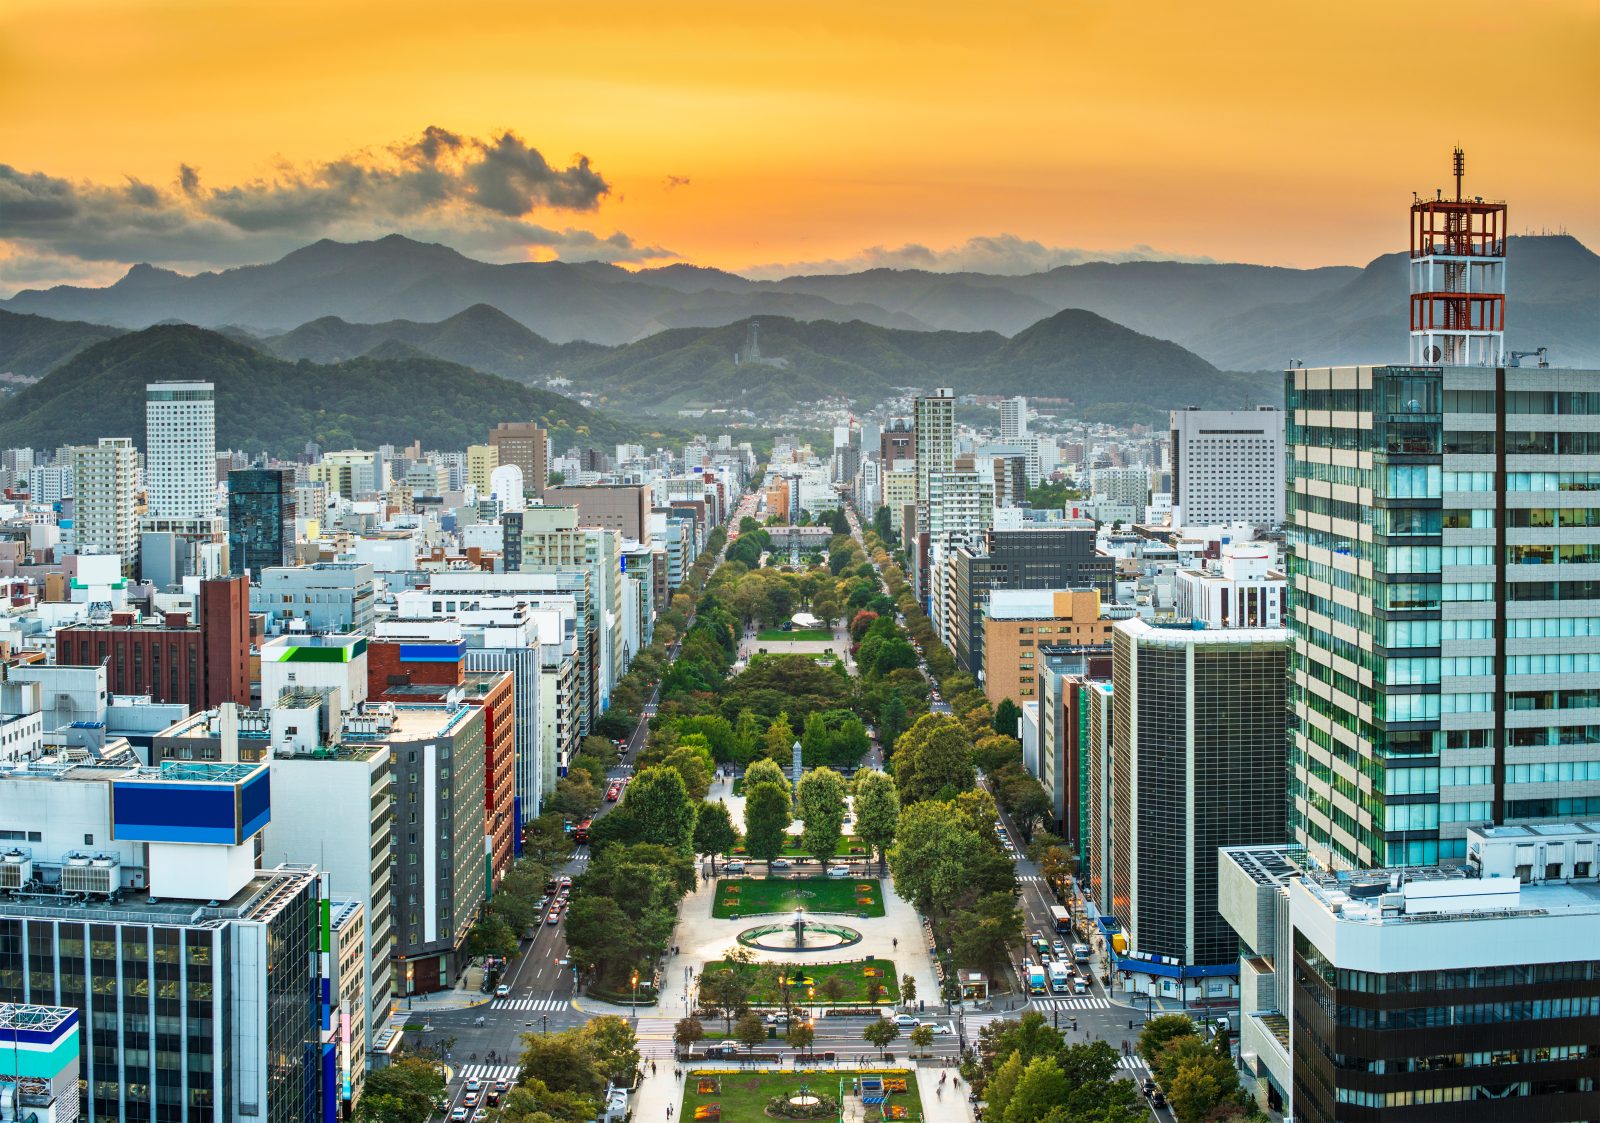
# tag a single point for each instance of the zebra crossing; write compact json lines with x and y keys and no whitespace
{"x":1132,"y":1063}
{"x":489,"y":1073}
{"x":655,"y":1037}
{"x":544,"y":1005}
{"x":1084,"y":1003}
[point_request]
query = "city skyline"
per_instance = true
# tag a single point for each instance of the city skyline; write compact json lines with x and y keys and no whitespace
{"x":720,"y":137}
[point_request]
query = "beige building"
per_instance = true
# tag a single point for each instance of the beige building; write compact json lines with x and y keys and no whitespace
{"x":481,"y":461}
{"x":1018,"y":622}
{"x":528,"y":447}
{"x":899,"y":489}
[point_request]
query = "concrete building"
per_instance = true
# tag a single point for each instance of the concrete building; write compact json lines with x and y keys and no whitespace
{"x":146,"y":914}
{"x":1464,"y":993}
{"x":1228,"y":466}
{"x":181,"y":450}
{"x":896,"y":443}
{"x":105,"y":476}
{"x":325,"y":597}
{"x":934,"y":425}
{"x":482,"y":460}
{"x":50,"y":483}
{"x":1443,"y":535}
{"x":352,"y":473}
{"x":1239,"y":590}
{"x":624,"y":508}
{"x":1013,"y":420}
{"x":526,"y":445}
{"x":1197,"y":745}
{"x":1121,"y":487}
{"x":1018,"y":624}
{"x":41,"y":1080}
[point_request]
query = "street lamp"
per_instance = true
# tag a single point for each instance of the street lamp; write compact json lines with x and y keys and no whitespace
{"x":635,"y":981}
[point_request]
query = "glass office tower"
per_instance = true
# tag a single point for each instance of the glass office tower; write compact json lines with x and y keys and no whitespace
{"x":261,"y":514}
{"x":1444,"y":525}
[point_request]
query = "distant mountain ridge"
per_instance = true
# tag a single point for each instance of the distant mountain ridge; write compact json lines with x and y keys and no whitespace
{"x":273,"y":404}
{"x":1239,"y":317}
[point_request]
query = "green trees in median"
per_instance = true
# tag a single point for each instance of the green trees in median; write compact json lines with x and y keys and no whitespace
{"x":821,"y":799}
{"x":714,"y":832}
{"x":877,"y":808}
{"x":401,"y":1093}
{"x":658,"y":803}
{"x":766,"y":820}
{"x":750,"y":1030}
{"x":933,"y":759}
{"x":881,"y":1031}
{"x":766,"y":771}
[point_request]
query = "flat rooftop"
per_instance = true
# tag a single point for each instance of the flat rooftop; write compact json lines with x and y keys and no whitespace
{"x":1368,"y":896}
{"x":261,"y":897}
{"x":40,"y":1019}
{"x":1269,"y":865}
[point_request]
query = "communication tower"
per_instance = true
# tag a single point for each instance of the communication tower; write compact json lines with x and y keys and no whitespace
{"x":1458,"y":278}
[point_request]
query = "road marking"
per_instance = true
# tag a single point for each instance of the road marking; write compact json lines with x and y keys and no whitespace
{"x":1081,"y":1003}
{"x":490,"y":1072}
{"x":1131,"y":1063}
{"x":547,"y":1005}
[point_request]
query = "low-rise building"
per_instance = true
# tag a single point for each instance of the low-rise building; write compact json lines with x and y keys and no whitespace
{"x":1018,"y":624}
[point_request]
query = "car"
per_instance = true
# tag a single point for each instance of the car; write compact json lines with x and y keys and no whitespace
{"x":1060,"y":947}
{"x":613,"y":793}
{"x":470,"y":1100}
{"x":905,"y":1021}
{"x":1080,"y":985}
{"x":1148,"y":1086}
{"x":502,"y":991}
{"x":838,"y":871}
{"x":459,"y":1115}
{"x":780,"y":864}
{"x":566,"y":883}
{"x":474,"y":1084}
{"x":777,"y":1018}
{"x":939,"y":1028}
{"x":734,"y":866}
{"x":491,"y":1098}
{"x":554,"y":918}
{"x":502,"y":1086}
{"x":1157,"y":1100}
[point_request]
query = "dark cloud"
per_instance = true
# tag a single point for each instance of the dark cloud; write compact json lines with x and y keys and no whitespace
{"x":475,"y":194}
{"x":1000,"y":254}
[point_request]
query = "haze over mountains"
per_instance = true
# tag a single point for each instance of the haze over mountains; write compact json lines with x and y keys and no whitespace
{"x":1236,"y":317}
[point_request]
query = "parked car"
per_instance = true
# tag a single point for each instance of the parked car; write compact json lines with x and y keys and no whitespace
{"x":905,"y":1021}
{"x":780,"y":864}
{"x":838,"y":871}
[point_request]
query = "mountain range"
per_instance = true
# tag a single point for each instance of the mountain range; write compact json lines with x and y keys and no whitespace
{"x":276,"y":405}
{"x":1236,"y":317}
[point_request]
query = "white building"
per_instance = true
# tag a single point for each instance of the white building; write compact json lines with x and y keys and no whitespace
{"x":180,"y":450}
{"x":50,"y":483}
{"x":1013,"y":420}
{"x":934,"y":420}
{"x":1228,"y":466}
{"x":1241,"y":590}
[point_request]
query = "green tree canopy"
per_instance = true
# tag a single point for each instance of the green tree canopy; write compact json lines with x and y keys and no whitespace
{"x":821,"y":802}
{"x":714,"y":832}
{"x":877,"y":810}
{"x":766,"y":820}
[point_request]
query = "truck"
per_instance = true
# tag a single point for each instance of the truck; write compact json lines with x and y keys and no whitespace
{"x":1060,"y":979}
{"x":1036,"y":984}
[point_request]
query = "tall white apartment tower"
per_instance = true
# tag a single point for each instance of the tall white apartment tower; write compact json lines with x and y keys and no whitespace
{"x":934,"y":420}
{"x":1013,"y":421}
{"x":104,"y":476}
{"x":181,"y":450}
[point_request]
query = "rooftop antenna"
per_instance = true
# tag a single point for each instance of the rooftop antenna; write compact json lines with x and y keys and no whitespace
{"x":1458,"y":159}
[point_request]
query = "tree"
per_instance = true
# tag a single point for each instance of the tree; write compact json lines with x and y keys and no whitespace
{"x":908,"y":989}
{"x":1040,"y":1090}
{"x":612,"y":1045}
{"x":933,"y":759}
{"x":492,"y":935}
{"x":599,"y":933}
{"x":922,"y":1037}
{"x":694,"y":764}
{"x":402,"y":1092}
{"x":800,"y":1034}
{"x":766,"y":771}
{"x":750,"y":1030}
{"x":659,"y":805}
{"x":727,"y":991}
{"x":563,"y":1062}
{"x":747,"y":738}
{"x":821,"y":799}
{"x":1193,"y":1093}
{"x":881,"y":1031}
{"x":714,"y":832}
{"x":766,"y":821}
{"x":1006,"y":716}
{"x":833,"y":988}
{"x":778,"y":744}
{"x":687,"y":1032}
{"x":1002,"y":1087}
{"x":1159,"y":1031}
{"x":877,"y":809}
{"x":892,"y":719}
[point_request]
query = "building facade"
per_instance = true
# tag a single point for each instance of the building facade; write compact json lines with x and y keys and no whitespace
{"x":1444,"y":528}
{"x":261,"y":519}
{"x":181,"y":450}
{"x":1019,"y":624}
{"x":1228,"y":466}
{"x":105,"y":476}
{"x":528,"y":447}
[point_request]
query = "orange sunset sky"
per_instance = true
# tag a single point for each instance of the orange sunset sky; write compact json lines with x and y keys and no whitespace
{"x":757,"y":134}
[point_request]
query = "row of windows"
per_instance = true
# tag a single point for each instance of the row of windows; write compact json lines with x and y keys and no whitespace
{"x":1464,"y":1093}
{"x":1552,"y":808}
{"x":1522,"y":481}
{"x":1439,"y":1062}
{"x":1573,"y":403}
{"x":1564,"y":771}
{"x":1470,"y":1014}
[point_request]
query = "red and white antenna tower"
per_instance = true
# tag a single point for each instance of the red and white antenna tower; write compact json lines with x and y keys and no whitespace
{"x":1458,"y":278}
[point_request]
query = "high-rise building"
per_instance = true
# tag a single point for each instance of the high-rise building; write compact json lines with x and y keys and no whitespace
{"x":934,"y":424}
{"x":1019,"y":624}
{"x":482,"y":460}
{"x":180,"y":450}
{"x":624,"y":508}
{"x":1227,"y":466}
{"x":105,"y":476}
{"x":1013,"y":420}
{"x":1197,"y":763}
{"x":526,"y":445}
{"x":1441,"y":525}
{"x":1469,"y":993}
{"x":898,"y":442}
{"x":261,"y":518}
{"x":1458,"y":278}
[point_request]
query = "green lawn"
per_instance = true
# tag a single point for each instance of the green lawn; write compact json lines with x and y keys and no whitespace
{"x":817,"y":635}
{"x":743,"y":1096}
{"x":806,"y":982}
{"x":759,"y":896}
{"x":850,"y":846}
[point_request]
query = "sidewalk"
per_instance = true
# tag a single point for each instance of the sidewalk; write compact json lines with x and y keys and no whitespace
{"x":462,"y":996}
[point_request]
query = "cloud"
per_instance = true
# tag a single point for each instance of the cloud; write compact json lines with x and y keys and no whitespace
{"x":1000,"y":254}
{"x":673,"y":181}
{"x":472,"y":193}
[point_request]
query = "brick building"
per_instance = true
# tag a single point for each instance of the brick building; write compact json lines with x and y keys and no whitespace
{"x":198,"y":663}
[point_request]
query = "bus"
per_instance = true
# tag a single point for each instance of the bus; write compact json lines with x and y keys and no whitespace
{"x":1062,"y":918}
{"x":581,"y":835}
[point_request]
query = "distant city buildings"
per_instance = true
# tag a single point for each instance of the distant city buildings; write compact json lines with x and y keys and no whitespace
{"x":1228,"y":467}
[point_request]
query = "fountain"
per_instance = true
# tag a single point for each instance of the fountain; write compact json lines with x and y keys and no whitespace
{"x":799,"y":929}
{"x":799,"y":935}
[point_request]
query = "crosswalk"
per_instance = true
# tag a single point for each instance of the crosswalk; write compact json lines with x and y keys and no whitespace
{"x":1085,"y":1002}
{"x":489,"y":1072}
{"x":655,"y":1036}
{"x":1131,"y":1063}
{"x":544,"y":1005}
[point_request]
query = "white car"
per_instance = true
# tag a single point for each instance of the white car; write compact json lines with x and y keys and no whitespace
{"x":778,"y":1018}
{"x":939,"y":1028}
{"x":779,"y":864}
{"x":502,"y":991}
{"x":734,"y":866}
{"x":905,"y":1021}
{"x":838,"y":871}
